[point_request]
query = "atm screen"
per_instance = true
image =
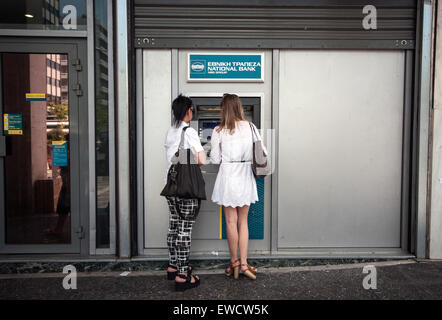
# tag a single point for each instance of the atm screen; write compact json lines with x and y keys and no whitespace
{"x":206,"y":128}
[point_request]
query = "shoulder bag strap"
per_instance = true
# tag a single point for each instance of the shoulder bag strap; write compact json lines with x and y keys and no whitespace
{"x":181,"y":145}
{"x":253,"y":131}
{"x":253,"y":142}
{"x":220,"y":147}
{"x":252,"y":127}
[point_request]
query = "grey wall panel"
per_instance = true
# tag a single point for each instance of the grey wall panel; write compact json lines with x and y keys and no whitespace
{"x":157,"y":81}
{"x":191,"y":24}
{"x":340,"y":148}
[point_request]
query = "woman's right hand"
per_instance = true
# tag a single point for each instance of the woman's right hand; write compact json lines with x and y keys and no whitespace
{"x":201,"y":158}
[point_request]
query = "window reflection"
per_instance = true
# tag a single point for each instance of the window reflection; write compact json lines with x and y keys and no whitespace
{"x":101,"y":123}
{"x":43,"y":14}
{"x":37,"y":177}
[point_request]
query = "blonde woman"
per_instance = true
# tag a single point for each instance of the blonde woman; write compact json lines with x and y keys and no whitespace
{"x":235,"y":185}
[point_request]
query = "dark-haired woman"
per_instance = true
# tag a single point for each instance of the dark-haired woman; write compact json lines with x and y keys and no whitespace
{"x":235,"y":185}
{"x":183,"y":212}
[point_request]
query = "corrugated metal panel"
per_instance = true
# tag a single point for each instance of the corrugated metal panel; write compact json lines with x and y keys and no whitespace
{"x":273,"y":24}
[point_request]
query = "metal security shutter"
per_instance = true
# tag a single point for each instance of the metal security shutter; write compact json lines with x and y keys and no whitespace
{"x":273,"y":24}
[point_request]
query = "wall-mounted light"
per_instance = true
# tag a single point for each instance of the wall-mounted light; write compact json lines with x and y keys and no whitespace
{"x":28,"y":15}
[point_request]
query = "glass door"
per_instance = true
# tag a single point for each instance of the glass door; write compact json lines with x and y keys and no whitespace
{"x":38,"y":189}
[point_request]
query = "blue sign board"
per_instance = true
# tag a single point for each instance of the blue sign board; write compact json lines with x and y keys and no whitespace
{"x":59,"y":153}
{"x":12,"y":123}
{"x":225,"y":67}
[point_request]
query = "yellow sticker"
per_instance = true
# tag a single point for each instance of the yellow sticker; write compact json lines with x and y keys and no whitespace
{"x":18,"y":132}
{"x":58,"y":142}
{"x":35,"y":96}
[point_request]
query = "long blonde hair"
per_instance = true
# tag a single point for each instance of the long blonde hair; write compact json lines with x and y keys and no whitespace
{"x":231,"y":111}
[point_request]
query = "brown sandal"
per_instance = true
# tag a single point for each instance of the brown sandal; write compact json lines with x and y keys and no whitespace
{"x":233,"y":268}
{"x":250,"y":272}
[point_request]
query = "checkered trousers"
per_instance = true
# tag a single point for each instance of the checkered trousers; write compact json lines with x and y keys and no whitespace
{"x":183,"y":213}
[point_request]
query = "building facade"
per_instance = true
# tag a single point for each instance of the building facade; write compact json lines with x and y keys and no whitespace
{"x":345,"y":93}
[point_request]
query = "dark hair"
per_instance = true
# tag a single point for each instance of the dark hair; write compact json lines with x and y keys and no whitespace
{"x":180,"y":106}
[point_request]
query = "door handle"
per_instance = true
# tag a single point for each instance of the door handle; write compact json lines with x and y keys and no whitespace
{"x":2,"y":146}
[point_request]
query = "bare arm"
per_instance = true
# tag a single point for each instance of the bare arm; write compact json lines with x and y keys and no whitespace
{"x":201,"y":158}
{"x":215,"y":156}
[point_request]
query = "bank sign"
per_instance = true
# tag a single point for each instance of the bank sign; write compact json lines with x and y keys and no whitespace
{"x":226,"y":67}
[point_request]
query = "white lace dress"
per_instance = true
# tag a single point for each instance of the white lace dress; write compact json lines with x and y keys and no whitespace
{"x":235,"y":185}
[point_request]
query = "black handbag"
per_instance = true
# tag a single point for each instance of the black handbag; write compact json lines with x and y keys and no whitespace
{"x":184,"y":179}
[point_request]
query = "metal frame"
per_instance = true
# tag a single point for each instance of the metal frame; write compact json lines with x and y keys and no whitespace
{"x":406,"y":150}
{"x":415,"y":133}
{"x":84,"y":155}
{"x":132,"y":129}
{"x":140,"y":148}
{"x":89,"y":34}
{"x":90,"y":119}
{"x":423,"y":120}
{"x":162,"y":43}
{"x":43,"y":33}
{"x":434,"y":237}
{"x":175,"y":72}
{"x":122,"y":87}
{"x":91,"y":127}
{"x":111,"y":120}
{"x":254,"y":2}
{"x":275,"y":126}
{"x":2,"y":161}
{"x":112,"y":124}
{"x":76,"y":50}
{"x":393,"y":33}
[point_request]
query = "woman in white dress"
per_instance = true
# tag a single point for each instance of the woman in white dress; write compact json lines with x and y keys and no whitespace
{"x":235,"y":185}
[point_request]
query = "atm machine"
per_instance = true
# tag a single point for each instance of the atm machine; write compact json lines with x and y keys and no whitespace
{"x":206,"y":117}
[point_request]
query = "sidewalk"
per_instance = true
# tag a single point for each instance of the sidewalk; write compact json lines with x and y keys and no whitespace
{"x":407,"y":279}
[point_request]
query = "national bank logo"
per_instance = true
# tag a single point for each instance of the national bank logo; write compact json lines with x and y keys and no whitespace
{"x":198,"y":66}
